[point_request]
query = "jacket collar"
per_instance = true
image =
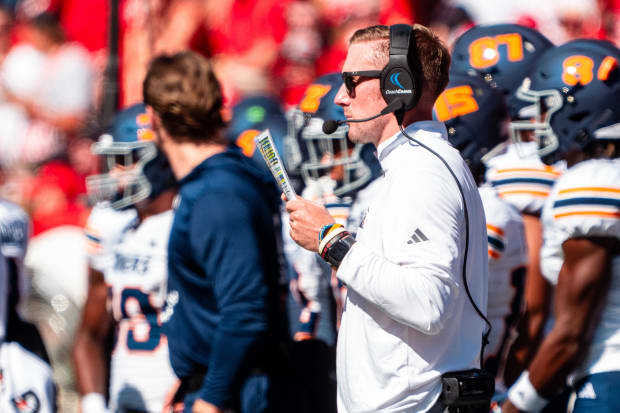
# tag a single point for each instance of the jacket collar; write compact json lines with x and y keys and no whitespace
{"x":419,"y":130}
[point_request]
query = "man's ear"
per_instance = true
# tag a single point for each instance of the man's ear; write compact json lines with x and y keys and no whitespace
{"x":155,"y":124}
{"x":153,"y":115}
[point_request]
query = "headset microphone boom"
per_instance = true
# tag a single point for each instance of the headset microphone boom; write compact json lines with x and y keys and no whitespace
{"x":330,"y":126}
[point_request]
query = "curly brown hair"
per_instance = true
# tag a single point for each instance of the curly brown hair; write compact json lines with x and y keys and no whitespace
{"x":183,"y":90}
{"x":432,"y":58}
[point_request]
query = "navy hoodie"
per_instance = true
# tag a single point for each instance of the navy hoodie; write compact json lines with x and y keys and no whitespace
{"x":223,"y":273}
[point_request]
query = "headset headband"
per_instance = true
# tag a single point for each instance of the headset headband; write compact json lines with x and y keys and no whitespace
{"x":399,"y":39}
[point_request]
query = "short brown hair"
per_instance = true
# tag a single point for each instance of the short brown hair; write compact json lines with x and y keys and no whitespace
{"x":432,"y":59}
{"x":183,"y":90}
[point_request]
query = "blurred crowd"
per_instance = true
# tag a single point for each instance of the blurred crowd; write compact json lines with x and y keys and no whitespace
{"x":54,"y":55}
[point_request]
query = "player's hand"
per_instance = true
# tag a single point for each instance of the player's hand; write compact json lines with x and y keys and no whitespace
{"x":201,"y":406}
{"x":508,"y":407}
{"x":307,"y":218}
{"x":169,"y":405}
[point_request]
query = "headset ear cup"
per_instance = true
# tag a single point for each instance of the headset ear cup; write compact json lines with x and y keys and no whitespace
{"x":398,"y":84}
{"x":398,"y":81}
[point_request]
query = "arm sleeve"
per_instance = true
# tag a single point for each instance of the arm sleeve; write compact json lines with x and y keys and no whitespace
{"x":416,"y":279}
{"x":226,"y":241}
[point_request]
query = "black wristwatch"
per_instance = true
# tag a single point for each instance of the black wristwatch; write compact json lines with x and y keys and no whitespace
{"x":337,"y":251}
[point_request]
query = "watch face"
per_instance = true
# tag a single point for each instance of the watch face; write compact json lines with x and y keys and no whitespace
{"x":336,"y":252}
{"x":339,"y":250}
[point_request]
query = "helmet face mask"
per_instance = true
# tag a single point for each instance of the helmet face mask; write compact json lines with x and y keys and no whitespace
{"x":500,"y":147}
{"x":293,"y":155}
{"x":544,"y":104}
{"x":570,"y":97}
{"x":334,"y":156}
{"x":124,"y":184}
{"x":134,"y":170}
{"x":332,"y":161}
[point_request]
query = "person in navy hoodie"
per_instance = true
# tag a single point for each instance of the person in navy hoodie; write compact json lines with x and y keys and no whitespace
{"x":222,"y":317}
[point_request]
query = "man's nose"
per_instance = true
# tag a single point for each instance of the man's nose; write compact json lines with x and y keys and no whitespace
{"x":342,"y":97}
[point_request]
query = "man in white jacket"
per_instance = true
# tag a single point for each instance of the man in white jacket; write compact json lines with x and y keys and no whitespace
{"x":408,"y":317}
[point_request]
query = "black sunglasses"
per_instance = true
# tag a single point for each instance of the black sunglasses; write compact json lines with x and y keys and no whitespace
{"x":352,"y":79}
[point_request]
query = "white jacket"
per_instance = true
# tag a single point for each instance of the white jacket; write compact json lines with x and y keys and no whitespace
{"x":407,"y":318}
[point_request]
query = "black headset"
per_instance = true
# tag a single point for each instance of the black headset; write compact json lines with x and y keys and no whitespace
{"x":400,"y":86}
{"x":398,"y":81}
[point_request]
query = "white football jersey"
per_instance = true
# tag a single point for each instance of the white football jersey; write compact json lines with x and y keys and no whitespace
{"x":308,"y":265}
{"x":507,"y":259}
{"x":134,"y":262}
{"x":104,"y":229}
{"x":585,"y":202}
{"x":521,"y":178}
{"x":26,"y":384}
{"x":14,"y":233}
{"x":313,"y":273}
{"x":14,"y":230}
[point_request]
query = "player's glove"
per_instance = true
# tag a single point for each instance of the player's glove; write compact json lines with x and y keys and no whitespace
{"x":93,"y":403}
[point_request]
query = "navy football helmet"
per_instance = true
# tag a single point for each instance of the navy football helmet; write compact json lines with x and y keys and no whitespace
{"x":475,"y":117}
{"x":502,"y":54}
{"x":135,"y":169}
{"x":251,"y":116}
{"x":573,"y":98}
{"x":314,"y":154}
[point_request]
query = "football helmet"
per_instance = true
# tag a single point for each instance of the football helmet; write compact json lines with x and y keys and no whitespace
{"x":251,"y":116}
{"x":314,"y":154}
{"x":501,"y":54}
{"x":135,"y":169}
{"x":572,"y":97}
{"x":475,"y":117}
